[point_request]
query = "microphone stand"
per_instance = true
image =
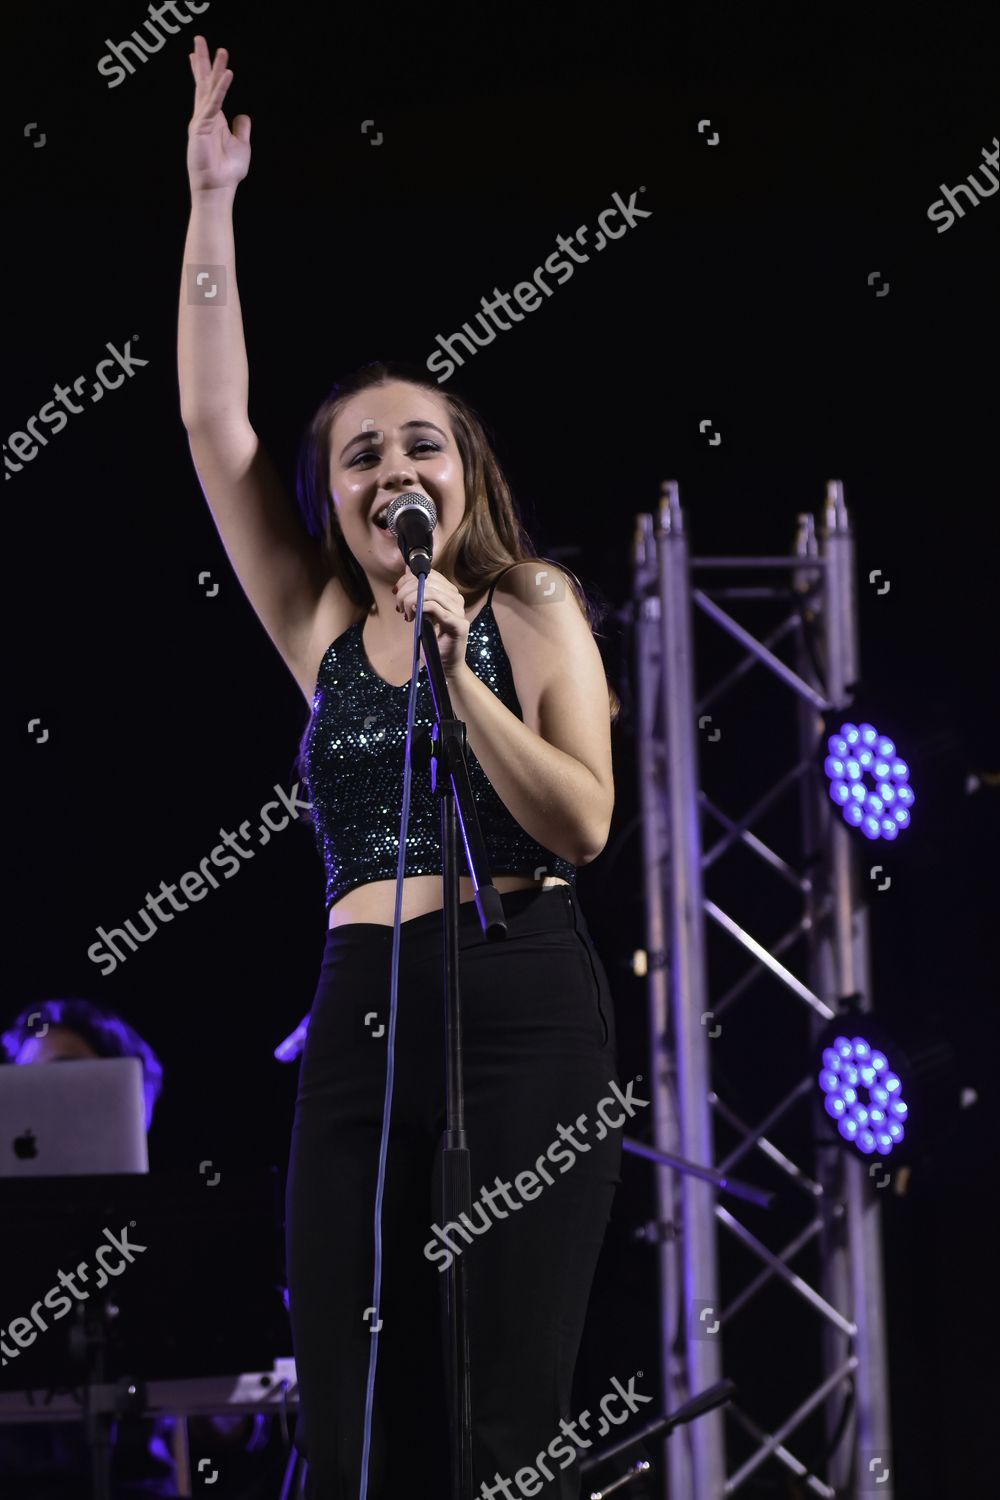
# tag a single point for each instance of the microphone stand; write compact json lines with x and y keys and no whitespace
{"x":450,"y":782}
{"x":707,"y":1400}
{"x":721,"y":1180}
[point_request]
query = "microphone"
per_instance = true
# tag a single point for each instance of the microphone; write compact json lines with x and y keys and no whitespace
{"x":411,"y":518}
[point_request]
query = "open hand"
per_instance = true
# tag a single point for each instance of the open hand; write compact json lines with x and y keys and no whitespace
{"x":216,"y":156}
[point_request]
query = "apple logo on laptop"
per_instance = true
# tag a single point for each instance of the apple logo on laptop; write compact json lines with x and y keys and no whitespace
{"x":24,"y":1146}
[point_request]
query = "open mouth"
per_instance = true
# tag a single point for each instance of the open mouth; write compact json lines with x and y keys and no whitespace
{"x":379,"y":519}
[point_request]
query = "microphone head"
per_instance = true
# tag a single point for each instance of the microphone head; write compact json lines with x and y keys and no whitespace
{"x":410,"y":500}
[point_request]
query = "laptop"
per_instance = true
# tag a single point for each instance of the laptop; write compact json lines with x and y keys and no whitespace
{"x":72,"y":1119}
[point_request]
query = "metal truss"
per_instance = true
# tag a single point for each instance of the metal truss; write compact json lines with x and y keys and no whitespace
{"x":823,"y":1278}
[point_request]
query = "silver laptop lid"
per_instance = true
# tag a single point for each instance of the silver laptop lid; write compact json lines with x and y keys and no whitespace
{"x":72,"y":1119}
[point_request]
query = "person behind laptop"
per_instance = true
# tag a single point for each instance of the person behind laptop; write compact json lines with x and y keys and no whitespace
{"x":48,"y":1461}
{"x":74,"y":1030}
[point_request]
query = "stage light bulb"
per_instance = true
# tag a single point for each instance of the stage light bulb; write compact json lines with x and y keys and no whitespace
{"x":877,"y":780}
{"x":862,"y":1093}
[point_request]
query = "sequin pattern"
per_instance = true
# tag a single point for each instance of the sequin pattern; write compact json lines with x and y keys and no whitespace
{"x":354,"y":753}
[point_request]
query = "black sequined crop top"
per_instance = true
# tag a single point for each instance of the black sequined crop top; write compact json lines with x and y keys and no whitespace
{"x":353,"y":757}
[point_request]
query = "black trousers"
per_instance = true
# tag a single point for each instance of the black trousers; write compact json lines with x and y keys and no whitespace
{"x":539,"y":1056}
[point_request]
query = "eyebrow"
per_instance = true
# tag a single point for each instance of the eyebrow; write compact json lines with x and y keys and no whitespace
{"x":370,"y":436}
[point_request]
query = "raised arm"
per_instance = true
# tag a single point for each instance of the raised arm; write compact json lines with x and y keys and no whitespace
{"x":278,"y":564}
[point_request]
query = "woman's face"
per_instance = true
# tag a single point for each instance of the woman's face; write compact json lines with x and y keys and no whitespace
{"x":384,"y":441}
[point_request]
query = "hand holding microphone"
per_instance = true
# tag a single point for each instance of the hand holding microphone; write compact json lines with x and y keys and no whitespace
{"x":411,"y":518}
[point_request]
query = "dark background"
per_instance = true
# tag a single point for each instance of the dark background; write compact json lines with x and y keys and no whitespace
{"x":744,"y":298}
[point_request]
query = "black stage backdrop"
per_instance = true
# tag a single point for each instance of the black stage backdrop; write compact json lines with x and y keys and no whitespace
{"x":745,"y":296}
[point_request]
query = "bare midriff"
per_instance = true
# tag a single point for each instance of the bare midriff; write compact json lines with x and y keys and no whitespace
{"x":376,"y":901}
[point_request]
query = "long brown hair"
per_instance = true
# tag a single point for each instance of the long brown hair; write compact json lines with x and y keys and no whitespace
{"x":489,"y":537}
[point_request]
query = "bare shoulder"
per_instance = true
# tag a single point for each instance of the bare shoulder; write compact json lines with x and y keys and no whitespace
{"x":558,"y":672}
{"x":335,"y":613}
{"x":538,"y":584}
{"x":546,"y":635}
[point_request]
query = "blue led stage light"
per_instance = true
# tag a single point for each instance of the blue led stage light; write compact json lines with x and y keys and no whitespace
{"x":869,"y":782}
{"x":863,"y":1096}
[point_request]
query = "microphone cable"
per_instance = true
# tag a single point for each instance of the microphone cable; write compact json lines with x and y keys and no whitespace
{"x":411,"y":704}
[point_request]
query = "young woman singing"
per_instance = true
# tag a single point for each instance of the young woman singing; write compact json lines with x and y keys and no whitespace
{"x":525,"y":674}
